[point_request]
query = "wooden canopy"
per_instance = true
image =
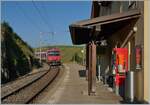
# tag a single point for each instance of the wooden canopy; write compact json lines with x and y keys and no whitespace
{"x":82,"y":31}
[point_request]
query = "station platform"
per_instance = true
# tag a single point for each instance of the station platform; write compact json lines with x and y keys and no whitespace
{"x":72,"y":88}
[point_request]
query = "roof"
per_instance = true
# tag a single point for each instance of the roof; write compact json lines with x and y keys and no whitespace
{"x":82,"y":31}
{"x":54,"y":49}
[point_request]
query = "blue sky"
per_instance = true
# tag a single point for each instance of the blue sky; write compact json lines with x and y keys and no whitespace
{"x":28,"y":19}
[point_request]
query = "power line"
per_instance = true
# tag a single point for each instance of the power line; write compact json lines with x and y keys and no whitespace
{"x":4,"y":17}
{"x":37,"y":9}
{"x":45,"y":9}
{"x":28,"y":17}
{"x":30,"y":20}
{"x":3,"y":10}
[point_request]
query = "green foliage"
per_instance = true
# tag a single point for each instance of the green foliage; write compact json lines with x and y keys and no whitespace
{"x":17,"y":55}
{"x":77,"y":58}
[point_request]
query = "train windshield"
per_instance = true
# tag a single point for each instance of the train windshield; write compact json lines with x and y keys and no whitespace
{"x":54,"y":53}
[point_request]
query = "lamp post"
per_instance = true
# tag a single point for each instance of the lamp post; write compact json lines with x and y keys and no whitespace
{"x":40,"y":47}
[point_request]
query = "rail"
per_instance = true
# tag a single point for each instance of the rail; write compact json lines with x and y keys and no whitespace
{"x":26,"y":89}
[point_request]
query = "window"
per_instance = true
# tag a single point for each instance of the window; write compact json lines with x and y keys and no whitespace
{"x":116,"y":7}
{"x":104,"y":7}
{"x":54,"y":53}
{"x":105,"y":3}
{"x":132,"y":4}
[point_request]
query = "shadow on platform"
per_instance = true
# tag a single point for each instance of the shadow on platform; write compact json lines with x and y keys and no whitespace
{"x":134,"y":102}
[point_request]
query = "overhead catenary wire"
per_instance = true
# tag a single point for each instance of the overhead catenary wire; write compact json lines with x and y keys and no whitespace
{"x":28,"y":17}
{"x":3,"y":7}
{"x":3,"y":16}
{"x":43,"y":19}
{"x":30,"y":20}
{"x":40,"y":14}
{"x":46,"y":14}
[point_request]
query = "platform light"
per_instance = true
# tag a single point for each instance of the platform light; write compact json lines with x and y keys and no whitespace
{"x":135,"y":29}
{"x":82,"y":51}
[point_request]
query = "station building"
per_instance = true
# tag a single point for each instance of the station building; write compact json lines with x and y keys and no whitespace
{"x":116,"y":38}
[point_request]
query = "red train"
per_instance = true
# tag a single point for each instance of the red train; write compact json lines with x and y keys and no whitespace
{"x":54,"y":57}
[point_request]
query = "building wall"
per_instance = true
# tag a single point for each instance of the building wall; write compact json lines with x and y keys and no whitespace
{"x":117,"y":7}
{"x":146,"y":51}
{"x":103,"y":60}
{"x":139,"y":40}
{"x":136,"y":39}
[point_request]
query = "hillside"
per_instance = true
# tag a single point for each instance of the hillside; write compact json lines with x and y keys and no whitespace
{"x":17,"y":56}
{"x":69,"y":53}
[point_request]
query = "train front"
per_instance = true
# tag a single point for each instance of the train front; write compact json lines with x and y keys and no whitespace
{"x":54,"y":57}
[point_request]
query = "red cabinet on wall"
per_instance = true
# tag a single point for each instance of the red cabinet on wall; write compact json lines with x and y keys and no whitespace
{"x":121,"y":64}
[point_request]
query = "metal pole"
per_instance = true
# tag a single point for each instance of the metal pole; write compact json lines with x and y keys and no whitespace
{"x":129,"y":86}
{"x":99,"y":72}
{"x":117,"y":90}
{"x":40,"y":48}
{"x":132,"y":86}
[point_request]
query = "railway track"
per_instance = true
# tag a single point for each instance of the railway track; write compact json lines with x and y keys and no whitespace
{"x":25,"y":90}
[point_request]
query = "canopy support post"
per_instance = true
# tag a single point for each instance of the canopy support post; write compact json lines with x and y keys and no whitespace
{"x":92,"y":69}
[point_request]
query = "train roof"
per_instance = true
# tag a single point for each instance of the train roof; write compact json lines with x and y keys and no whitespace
{"x":38,"y":52}
{"x":54,"y":49}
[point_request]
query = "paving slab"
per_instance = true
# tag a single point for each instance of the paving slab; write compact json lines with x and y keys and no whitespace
{"x":73,"y":89}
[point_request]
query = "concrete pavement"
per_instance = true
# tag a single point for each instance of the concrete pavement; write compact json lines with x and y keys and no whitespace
{"x":72,"y":88}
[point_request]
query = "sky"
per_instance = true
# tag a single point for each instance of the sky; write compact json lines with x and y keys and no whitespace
{"x":48,"y":19}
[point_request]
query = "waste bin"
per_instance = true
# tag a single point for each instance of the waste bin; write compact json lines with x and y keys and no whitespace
{"x":129,"y":86}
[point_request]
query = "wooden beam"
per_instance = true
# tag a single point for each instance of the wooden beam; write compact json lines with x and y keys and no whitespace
{"x":127,"y":38}
{"x":95,"y":9}
{"x":101,"y":20}
{"x":87,"y":60}
{"x":93,"y":67}
{"x":89,"y":70}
